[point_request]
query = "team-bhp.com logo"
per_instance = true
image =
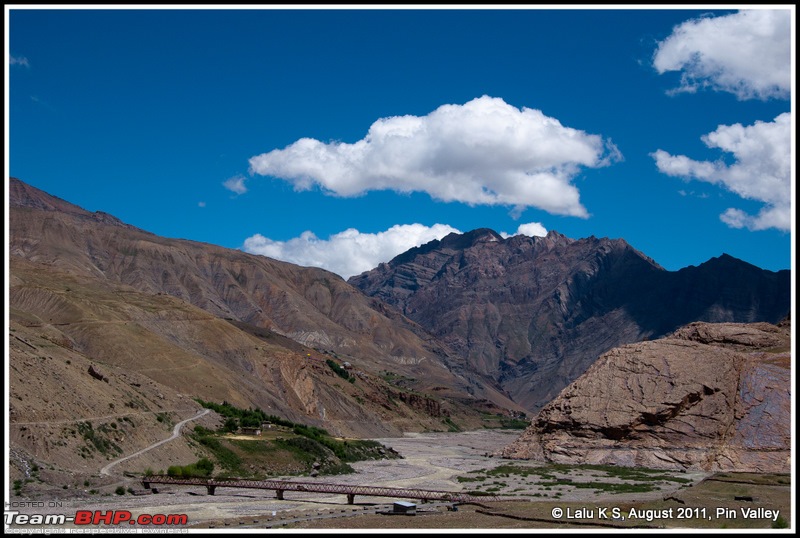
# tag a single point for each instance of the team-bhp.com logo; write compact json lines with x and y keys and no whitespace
{"x":95,"y":517}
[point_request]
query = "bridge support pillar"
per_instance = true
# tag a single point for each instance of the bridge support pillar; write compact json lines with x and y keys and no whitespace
{"x":211,"y":489}
{"x":351,"y":498}
{"x":279,"y":494}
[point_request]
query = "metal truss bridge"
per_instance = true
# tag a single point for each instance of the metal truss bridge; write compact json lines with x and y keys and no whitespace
{"x":350,"y":490}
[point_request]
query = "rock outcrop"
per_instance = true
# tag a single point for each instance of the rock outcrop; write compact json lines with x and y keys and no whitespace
{"x":708,"y":397}
{"x":96,"y":374}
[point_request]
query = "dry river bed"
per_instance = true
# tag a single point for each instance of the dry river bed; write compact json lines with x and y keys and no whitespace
{"x":430,"y":461}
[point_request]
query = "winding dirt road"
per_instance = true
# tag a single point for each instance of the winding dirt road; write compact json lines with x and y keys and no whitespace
{"x":176,"y":432}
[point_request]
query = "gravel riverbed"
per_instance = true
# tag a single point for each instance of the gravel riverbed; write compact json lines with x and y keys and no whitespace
{"x":430,"y":461}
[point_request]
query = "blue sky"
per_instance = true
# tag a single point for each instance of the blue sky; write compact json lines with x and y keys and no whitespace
{"x":343,"y":137}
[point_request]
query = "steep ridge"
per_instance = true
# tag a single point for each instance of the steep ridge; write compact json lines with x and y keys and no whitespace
{"x":533,"y":313}
{"x":185,"y":349}
{"x":712,"y":397}
{"x":311,"y":306}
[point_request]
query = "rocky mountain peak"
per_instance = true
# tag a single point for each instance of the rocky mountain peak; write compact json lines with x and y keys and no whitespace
{"x":534,"y":312}
{"x":461,"y":241}
{"x":21,"y":195}
{"x":556,"y":237}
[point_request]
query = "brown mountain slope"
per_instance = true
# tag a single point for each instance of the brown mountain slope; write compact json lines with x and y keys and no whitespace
{"x":67,"y":425}
{"x":157,"y":354}
{"x":309,"y":305}
{"x":168,"y":321}
{"x":183,"y":347}
{"x":709,"y":396}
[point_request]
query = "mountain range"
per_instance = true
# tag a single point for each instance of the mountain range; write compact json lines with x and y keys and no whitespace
{"x":455,"y":333}
{"x":533,"y":313}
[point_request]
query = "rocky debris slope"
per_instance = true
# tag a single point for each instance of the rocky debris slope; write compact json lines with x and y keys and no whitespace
{"x":708,"y":397}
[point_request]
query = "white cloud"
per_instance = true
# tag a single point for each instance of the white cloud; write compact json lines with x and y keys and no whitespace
{"x":747,"y":54}
{"x":531,"y":229}
{"x":483,"y":152}
{"x":761,"y":171}
{"x":735,"y":218}
{"x":18,"y":60}
{"x":201,"y":204}
{"x":235,"y":184}
{"x":349,"y":252}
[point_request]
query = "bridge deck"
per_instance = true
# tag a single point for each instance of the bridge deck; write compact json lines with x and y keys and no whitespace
{"x":351,"y":490}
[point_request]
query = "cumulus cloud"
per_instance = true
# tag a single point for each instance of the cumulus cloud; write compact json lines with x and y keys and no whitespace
{"x":235,"y":184}
{"x":352,"y":252}
{"x":349,"y":252}
{"x":18,"y":60}
{"x":484,"y":152}
{"x":747,"y":54}
{"x":761,"y":171}
{"x":531,"y":229}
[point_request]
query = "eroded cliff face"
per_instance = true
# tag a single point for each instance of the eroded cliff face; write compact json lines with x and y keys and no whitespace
{"x":533,"y":313}
{"x":708,"y":397}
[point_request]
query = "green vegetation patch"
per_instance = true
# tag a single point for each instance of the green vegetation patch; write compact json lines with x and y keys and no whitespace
{"x":295,"y":451}
{"x":511,"y":469}
{"x":508,"y":423}
{"x":780,"y":523}
{"x":783,"y":479}
{"x":310,"y":451}
{"x":477,"y":493}
{"x":505,"y":422}
{"x":97,"y":438}
{"x":625,"y":479}
{"x":470,"y":479}
{"x":341,"y":372}
{"x":640,"y":474}
{"x":397,"y":380}
{"x":611,"y":487}
{"x":245,"y":418}
{"x":224,"y":455}
{"x":451,"y":426}
{"x":201,"y":469}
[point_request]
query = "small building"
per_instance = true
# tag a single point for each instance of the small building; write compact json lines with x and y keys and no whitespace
{"x":404,"y":507}
{"x":250,"y":431}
